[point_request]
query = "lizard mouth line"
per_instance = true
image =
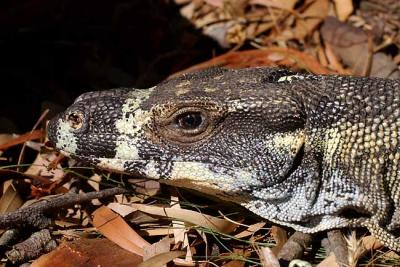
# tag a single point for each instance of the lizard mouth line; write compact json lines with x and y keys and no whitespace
{"x":94,"y":160}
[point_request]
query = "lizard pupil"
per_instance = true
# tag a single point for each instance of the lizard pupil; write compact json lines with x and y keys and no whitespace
{"x":190,"y":121}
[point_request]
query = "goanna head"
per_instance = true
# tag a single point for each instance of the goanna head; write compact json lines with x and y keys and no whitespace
{"x":238,"y":135}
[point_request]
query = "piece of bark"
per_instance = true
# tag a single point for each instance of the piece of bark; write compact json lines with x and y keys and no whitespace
{"x":9,"y":237}
{"x":37,"y":244}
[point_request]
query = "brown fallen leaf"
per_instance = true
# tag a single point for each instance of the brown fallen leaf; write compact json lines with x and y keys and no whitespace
{"x":159,"y":247}
{"x":344,"y":8}
{"x":310,"y":18}
{"x":189,"y":216}
{"x":234,"y":263}
{"x":40,"y":167}
{"x":268,"y":257}
{"x":112,"y":226}
{"x":85,"y":252}
{"x":329,"y":261}
{"x":4,"y":138}
{"x":370,"y":242}
{"x":250,"y":230}
{"x":280,"y":236}
{"x":162,"y":259}
{"x":354,"y":48}
{"x":10,"y":200}
{"x":281,"y":56}
{"x":36,"y":134}
{"x":287,"y":4}
{"x":334,"y":62}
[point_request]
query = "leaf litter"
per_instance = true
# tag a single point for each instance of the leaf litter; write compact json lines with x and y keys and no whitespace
{"x":152,"y":226}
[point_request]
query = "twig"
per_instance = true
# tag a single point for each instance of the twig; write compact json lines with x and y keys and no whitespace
{"x":294,"y":247}
{"x":34,"y":215}
{"x":338,"y":246}
{"x":41,"y":118}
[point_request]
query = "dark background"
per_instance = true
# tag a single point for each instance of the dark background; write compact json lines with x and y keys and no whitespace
{"x":53,"y":50}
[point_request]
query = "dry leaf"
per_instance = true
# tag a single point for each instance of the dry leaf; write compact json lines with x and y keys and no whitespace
{"x":4,"y":138}
{"x":310,"y":18}
{"x":122,"y":209}
{"x":234,"y":263}
{"x":353,"y":47}
{"x":370,"y":242}
{"x":180,"y":233}
{"x":329,"y":261}
{"x":282,"y":4}
{"x":280,"y":236}
{"x":145,"y":186}
{"x":117,"y":230}
{"x":40,"y":167}
{"x":189,"y":216}
{"x":334,"y":62}
{"x":260,"y":57}
{"x":10,"y":200}
{"x":36,"y":134}
{"x":250,"y":230}
{"x":344,"y":8}
{"x":268,"y":258}
{"x":162,"y":259}
{"x":215,"y":3}
{"x":159,"y":247}
{"x":88,"y":252}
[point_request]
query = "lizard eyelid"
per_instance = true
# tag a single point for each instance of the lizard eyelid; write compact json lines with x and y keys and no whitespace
{"x":189,"y":121}
{"x":188,"y":125}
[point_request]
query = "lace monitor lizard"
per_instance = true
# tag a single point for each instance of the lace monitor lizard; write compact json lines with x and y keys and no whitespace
{"x":311,"y":152}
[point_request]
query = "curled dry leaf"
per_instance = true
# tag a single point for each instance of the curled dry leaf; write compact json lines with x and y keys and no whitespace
{"x":189,"y":216}
{"x":117,"y":230}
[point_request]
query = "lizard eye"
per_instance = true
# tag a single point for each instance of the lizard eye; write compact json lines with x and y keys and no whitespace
{"x":188,"y":124}
{"x":189,"y":120}
{"x":75,"y":120}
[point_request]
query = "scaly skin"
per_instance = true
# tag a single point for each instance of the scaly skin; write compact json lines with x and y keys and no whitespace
{"x":306,"y":151}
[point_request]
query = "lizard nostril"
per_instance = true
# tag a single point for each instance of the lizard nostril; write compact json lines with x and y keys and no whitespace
{"x":75,"y":120}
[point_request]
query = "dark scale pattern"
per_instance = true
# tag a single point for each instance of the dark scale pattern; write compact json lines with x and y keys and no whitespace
{"x":306,"y":151}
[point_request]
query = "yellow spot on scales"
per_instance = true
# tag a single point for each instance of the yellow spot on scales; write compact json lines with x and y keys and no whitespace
{"x":200,"y":174}
{"x":292,"y":141}
{"x":130,"y":125}
{"x":210,"y":89}
{"x":182,"y":88}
